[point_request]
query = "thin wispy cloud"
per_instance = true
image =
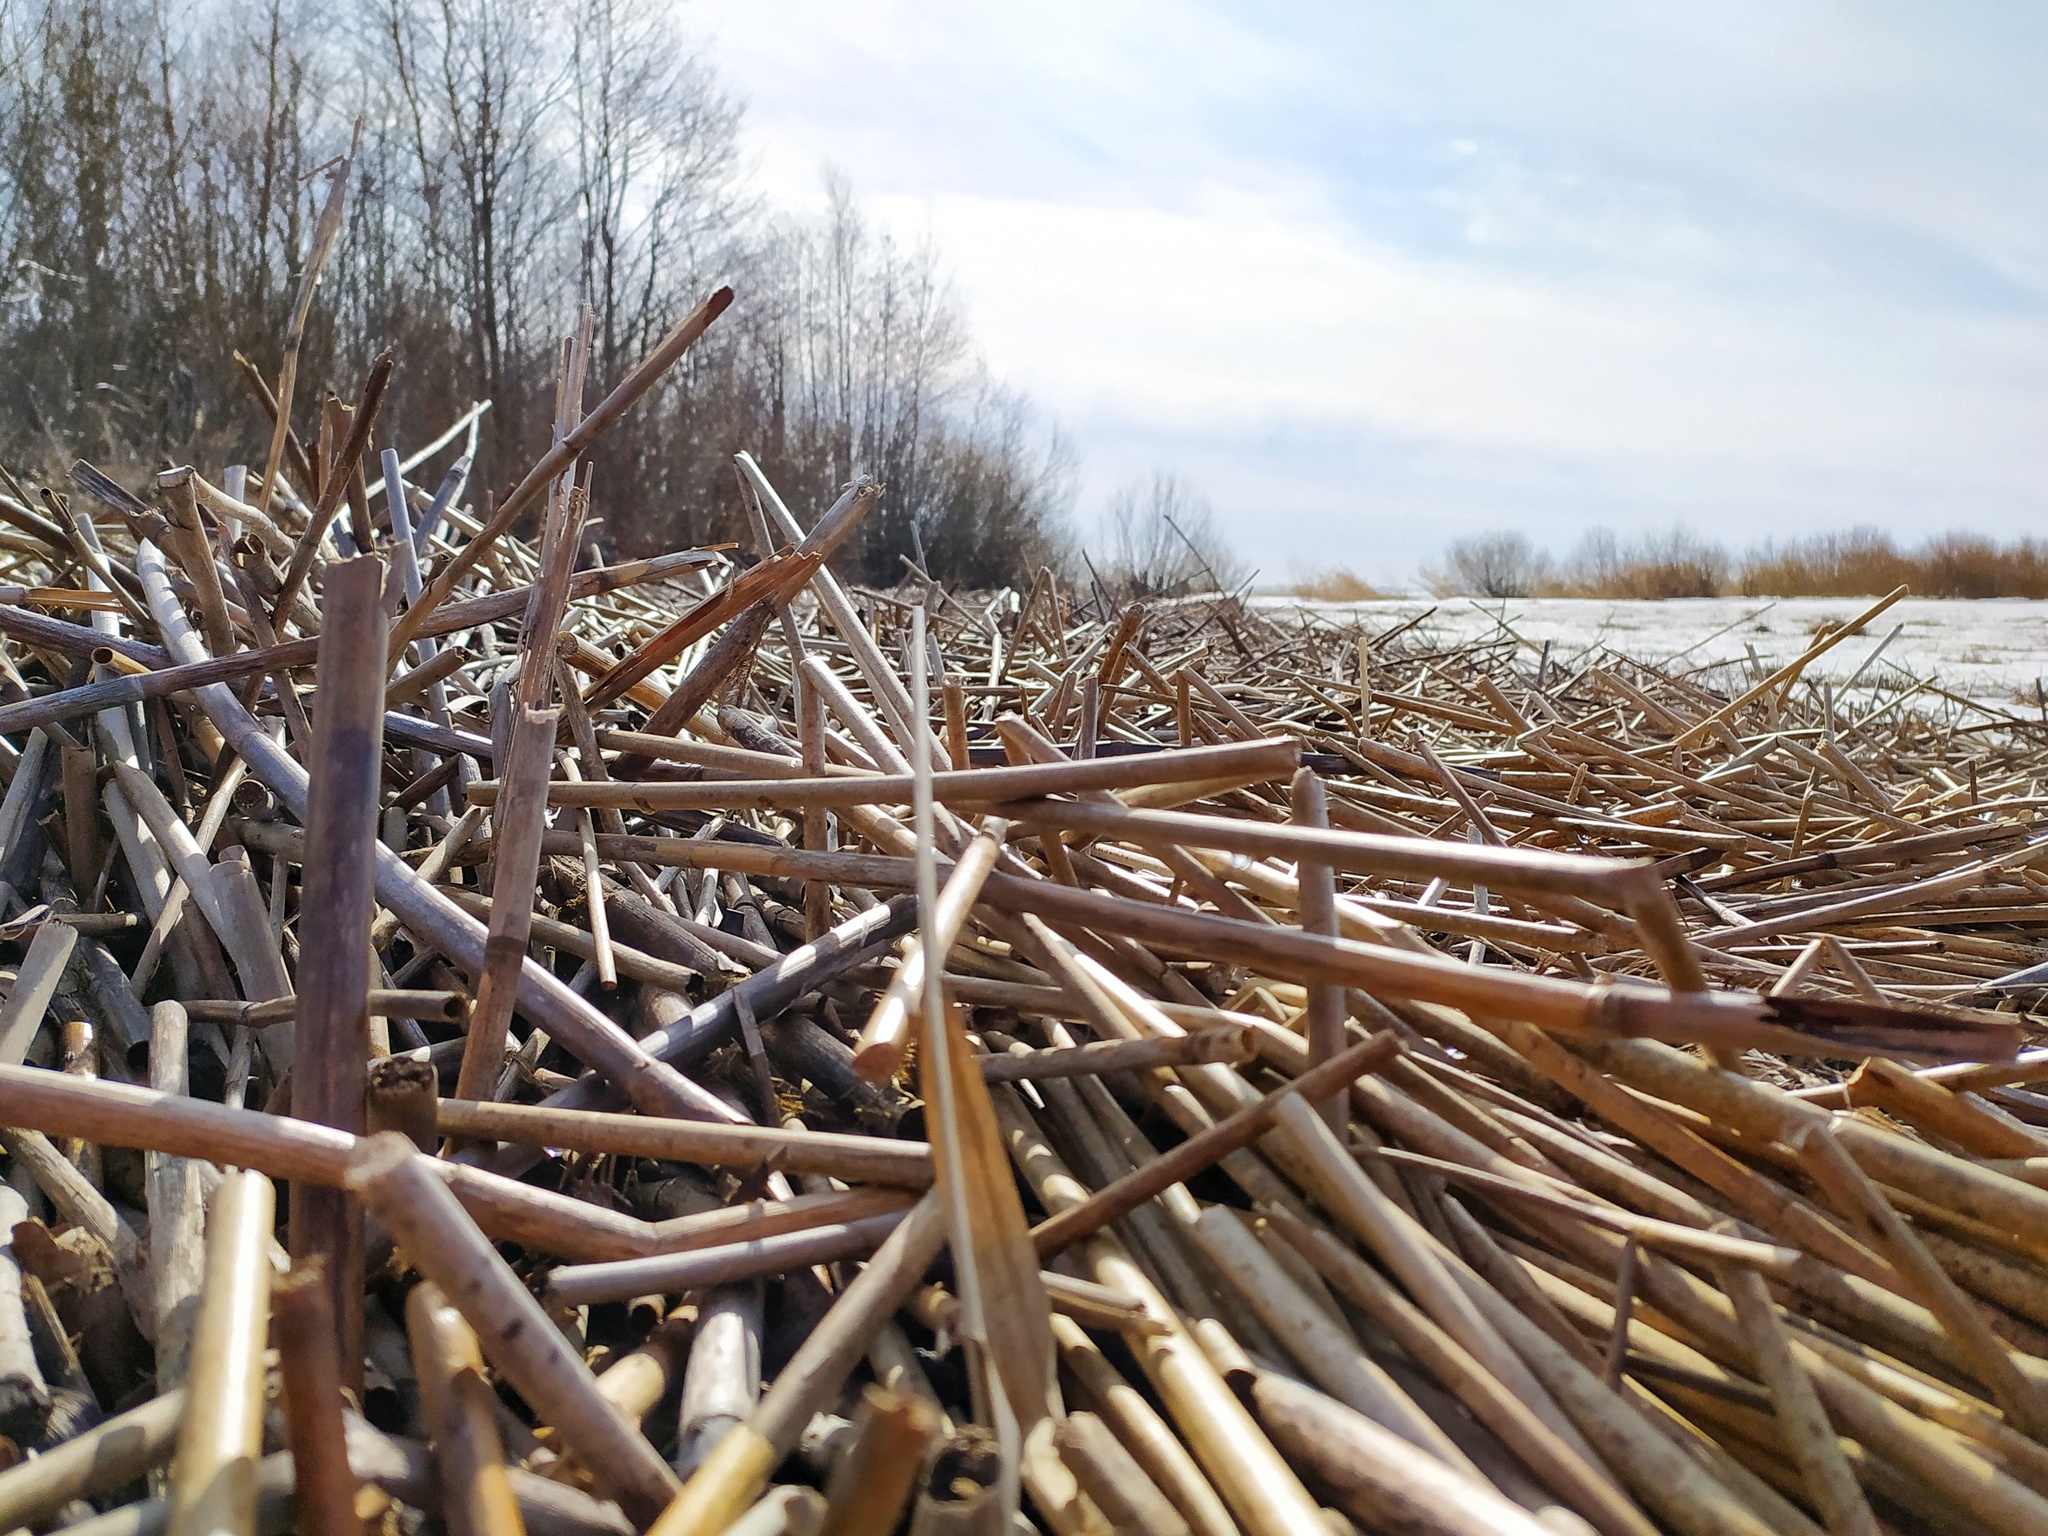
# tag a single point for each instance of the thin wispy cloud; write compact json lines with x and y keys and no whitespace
{"x":1374,"y":275}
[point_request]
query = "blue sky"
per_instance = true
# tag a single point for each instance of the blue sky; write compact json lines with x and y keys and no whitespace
{"x":1372,"y":275}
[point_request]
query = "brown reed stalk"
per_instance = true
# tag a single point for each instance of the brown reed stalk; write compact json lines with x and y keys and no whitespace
{"x":337,"y":899}
{"x":516,"y":826}
{"x":323,"y":1485}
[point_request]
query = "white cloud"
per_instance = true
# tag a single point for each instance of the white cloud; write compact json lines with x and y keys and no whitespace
{"x":1373,"y":275}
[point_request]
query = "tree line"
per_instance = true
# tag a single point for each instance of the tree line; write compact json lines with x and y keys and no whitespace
{"x":1676,"y":562}
{"x":161,"y":171}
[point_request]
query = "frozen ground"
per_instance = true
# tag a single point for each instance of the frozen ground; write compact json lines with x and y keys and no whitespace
{"x":1994,"y":652}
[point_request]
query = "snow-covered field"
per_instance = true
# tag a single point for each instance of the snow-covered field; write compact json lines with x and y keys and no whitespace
{"x":1994,"y":652}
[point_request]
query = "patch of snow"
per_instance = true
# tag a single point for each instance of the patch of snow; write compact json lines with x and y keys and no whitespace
{"x":1993,"y":652}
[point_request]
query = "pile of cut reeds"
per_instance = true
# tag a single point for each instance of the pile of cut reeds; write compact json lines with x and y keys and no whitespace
{"x":472,"y":1058}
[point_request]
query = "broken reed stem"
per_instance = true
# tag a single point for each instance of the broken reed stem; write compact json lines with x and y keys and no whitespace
{"x":401,"y":1095}
{"x":459,"y":1408}
{"x":640,"y":1379}
{"x":517,"y":823}
{"x":324,"y":1487}
{"x":213,"y":1479}
{"x":1326,"y":1019}
{"x":397,"y":1182}
{"x":876,"y":1474}
{"x":337,"y":898}
{"x":885,"y":1040}
{"x":1231,"y":1046}
{"x":737,"y":1470}
{"x":177,"y":1210}
{"x":325,"y":229}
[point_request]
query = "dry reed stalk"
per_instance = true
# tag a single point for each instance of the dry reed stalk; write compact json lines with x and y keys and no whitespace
{"x":1672,"y":1485}
{"x":1863,"y":1204}
{"x":639,"y":1380}
{"x":477,"y":1497}
{"x":332,"y":1023}
{"x":323,"y":1486}
{"x":875,"y":1475}
{"x":1830,"y":1483}
{"x":340,"y":482}
{"x":770,"y":577}
{"x":1143,"y":1434}
{"x":1264,"y":1493}
{"x":387,"y":1002}
{"x":1321,"y":1346}
{"x":858,"y":1159}
{"x":769,"y":1252}
{"x":1522,"y":860}
{"x":1111,"y":1477}
{"x":396,"y":1181}
{"x":1231,"y":1046}
{"x":1317,"y":901}
{"x":1246,"y":762}
{"x":23,"y":1392}
{"x":213,"y":1478}
{"x":110,"y":1455}
{"x":177,"y":1208}
{"x":736,"y":1470}
{"x":1377,"y":1475}
{"x":325,"y":229}
{"x":885,"y":1039}
{"x":723,"y":1382}
{"x":516,"y":826}
{"x":1200,"y":1151}
{"x":1560,"y":1459}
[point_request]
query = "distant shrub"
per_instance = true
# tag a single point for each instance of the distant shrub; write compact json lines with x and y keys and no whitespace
{"x":1968,"y":565}
{"x":1163,"y":542}
{"x":1860,"y":562}
{"x":1675,"y":563}
{"x":1499,"y":564}
{"x":1866,"y":563}
{"x":1335,"y":584}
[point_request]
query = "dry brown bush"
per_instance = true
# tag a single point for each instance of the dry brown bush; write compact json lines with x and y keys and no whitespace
{"x":1335,"y":584}
{"x":1674,"y":563}
{"x":1859,"y":562}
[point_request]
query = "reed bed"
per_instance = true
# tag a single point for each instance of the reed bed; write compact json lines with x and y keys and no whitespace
{"x":692,"y":1046}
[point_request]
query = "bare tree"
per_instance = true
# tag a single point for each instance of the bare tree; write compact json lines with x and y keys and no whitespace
{"x":1163,"y":541}
{"x":477,"y":83}
{"x":1499,"y":564}
{"x":510,"y":163}
{"x":656,"y":146}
